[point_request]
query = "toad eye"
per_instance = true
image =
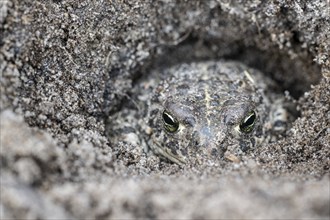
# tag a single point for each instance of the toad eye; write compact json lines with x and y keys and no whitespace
{"x":248,"y":122}
{"x":171,"y":124}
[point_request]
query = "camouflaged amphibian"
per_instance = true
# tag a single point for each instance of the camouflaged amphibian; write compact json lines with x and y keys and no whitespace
{"x":202,"y":109}
{"x":200,"y":113}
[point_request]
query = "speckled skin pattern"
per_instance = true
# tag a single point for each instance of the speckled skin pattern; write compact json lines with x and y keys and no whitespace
{"x":209,"y":100}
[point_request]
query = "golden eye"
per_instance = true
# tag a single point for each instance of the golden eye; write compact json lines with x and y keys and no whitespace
{"x":171,"y":124}
{"x":248,"y":122}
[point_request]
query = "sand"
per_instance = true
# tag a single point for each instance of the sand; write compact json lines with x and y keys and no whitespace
{"x":67,"y":65}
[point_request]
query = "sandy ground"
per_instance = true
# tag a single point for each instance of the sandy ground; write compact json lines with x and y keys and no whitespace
{"x":66,"y":66}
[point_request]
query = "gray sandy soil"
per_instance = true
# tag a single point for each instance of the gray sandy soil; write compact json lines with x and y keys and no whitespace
{"x":67,"y":65}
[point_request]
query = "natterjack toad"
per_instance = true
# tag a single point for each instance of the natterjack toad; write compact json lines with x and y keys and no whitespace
{"x":204,"y":107}
{"x":200,"y":110}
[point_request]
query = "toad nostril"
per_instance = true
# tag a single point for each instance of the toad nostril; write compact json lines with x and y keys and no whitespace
{"x":244,"y":146}
{"x":195,"y":139}
{"x":214,"y":152}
